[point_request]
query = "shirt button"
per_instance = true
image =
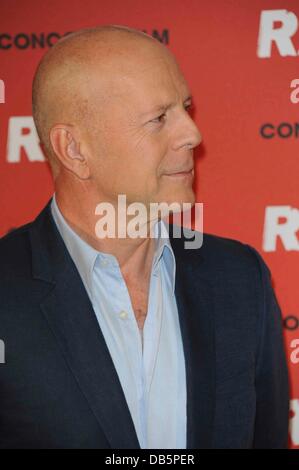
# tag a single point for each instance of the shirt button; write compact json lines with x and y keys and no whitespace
{"x":104,"y":262}
{"x":123,"y":315}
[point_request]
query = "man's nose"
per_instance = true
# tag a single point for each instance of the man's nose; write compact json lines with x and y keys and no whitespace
{"x":190,"y":134}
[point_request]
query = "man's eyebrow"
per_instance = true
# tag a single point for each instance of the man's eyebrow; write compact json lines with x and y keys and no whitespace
{"x":165,"y":107}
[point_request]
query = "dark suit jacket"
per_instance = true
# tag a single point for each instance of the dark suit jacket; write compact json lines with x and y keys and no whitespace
{"x":59,"y":387}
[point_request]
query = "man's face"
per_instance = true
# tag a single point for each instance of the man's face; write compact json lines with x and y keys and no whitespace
{"x":136,"y":144}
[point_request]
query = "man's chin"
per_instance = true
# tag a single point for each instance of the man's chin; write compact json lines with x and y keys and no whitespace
{"x":178,"y":203}
{"x":186,"y":199}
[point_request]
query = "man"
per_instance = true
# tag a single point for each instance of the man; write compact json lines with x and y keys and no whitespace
{"x":130,"y":342}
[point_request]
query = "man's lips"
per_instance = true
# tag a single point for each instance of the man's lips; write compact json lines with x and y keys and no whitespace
{"x":181,"y":173}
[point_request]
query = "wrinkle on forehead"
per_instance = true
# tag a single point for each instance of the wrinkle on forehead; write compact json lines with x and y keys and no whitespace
{"x":155,"y":83}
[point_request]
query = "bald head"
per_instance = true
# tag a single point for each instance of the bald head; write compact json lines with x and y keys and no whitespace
{"x":63,"y":91}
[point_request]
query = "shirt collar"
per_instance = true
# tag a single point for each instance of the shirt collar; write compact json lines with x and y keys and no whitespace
{"x":85,"y":256}
{"x":164,"y":250}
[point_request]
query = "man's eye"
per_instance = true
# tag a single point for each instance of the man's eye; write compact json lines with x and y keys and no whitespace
{"x":189,"y":107}
{"x":159,"y":118}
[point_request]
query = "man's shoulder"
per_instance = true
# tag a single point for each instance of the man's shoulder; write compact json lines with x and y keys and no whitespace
{"x":16,"y":246}
{"x":234,"y":254}
{"x":15,"y":253}
{"x":215,"y":246}
{"x":221,"y":254}
{"x":233,"y":251}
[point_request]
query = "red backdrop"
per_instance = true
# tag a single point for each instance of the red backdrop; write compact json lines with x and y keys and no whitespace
{"x":240,"y":59}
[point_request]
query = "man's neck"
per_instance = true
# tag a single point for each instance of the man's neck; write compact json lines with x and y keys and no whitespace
{"x":134,"y":255}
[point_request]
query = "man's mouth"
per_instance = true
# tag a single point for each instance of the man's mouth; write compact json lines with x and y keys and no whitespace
{"x":181,"y":174}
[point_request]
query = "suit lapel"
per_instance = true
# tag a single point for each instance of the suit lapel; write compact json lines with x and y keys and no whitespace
{"x":72,"y":319}
{"x":194,"y":295}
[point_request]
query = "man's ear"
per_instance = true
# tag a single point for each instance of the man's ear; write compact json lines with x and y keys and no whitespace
{"x":67,"y":150}
{"x":73,"y":150}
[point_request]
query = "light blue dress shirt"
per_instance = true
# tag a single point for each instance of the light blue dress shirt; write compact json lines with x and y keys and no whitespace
{"x":151,"y":368}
